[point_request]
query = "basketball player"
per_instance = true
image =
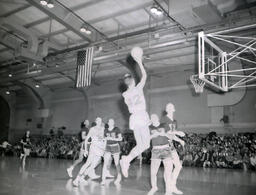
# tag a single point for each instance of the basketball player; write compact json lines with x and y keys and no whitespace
{"x":26,"y":148}
{"x":139,"y":119}
{"x":4,"y":146}
{"x":171,"y":124}
{"x":97,"y":149}
{"x":113,"y":136}
{"x":82,"y":135}
{"x":161,"y":152}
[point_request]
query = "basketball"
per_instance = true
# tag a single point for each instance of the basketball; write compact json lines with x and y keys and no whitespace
{"x":137,"y":53}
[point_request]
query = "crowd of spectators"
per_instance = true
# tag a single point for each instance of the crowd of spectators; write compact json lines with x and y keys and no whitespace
{"x":221,"y":151}
{"x":237,"y":151}
{"x":200,"y":150}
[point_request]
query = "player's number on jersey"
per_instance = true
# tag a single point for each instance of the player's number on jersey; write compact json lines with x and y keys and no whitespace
{"x":113,"y":135}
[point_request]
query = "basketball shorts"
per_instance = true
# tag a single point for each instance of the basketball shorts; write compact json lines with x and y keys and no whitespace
{"x":161,"y":154}
{"x":26,"y":151}
{"x":139,"y":120}
{"x":113,"y":148}
{"x":98,"y":148}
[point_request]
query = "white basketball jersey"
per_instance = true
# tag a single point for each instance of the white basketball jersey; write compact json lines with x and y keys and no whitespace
{"x":97,"y":134}
{"x":135,"y":100}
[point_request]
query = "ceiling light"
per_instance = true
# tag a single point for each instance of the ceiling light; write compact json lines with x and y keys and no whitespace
{"x":153,"y":9}
{"x":159,"y":12}
{"x":83,"y":29}
{"x":10,"y":75}
{"x":37,"y":86}
{"x":156,"y":10}
{"x":7,"y":92}
{"x":88,"y":32}
{"x":43,"y":2}
{"x":50,"y":4}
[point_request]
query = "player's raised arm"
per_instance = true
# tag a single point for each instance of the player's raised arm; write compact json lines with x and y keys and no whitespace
{"x":137,"y":54}
{"x":144,"y":75}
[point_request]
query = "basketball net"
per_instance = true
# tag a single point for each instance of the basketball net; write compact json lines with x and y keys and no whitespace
{"x":197,"y":83}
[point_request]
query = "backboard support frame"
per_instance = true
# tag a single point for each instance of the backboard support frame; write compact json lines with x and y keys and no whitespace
{"x":223,"y":70}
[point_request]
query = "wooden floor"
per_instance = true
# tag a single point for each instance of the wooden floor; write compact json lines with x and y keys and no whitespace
{"x":43,"y":177}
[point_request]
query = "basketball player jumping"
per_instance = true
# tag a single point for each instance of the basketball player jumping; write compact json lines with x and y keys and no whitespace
{"x":139,"y":120}
{"x":171,"y":124}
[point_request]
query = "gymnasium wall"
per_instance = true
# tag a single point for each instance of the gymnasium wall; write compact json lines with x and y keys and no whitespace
{"x":24,"y":117}
{"x":69,"y":107}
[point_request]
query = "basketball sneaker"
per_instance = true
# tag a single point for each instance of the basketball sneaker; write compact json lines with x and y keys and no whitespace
{"x":76,"y":182}
{"x":175,"y":190}
{"x":93,"y":175}
{"x":152,"y":191}
{"x":108,"y":174}
{"x":103,"y":182}
{"x":69,"y":171}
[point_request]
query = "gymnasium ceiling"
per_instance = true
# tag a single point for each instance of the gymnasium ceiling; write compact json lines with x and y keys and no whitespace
{"x":40,"y":43}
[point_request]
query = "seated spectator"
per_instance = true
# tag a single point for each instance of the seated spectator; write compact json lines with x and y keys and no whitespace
{"x":197,"y":159}
{"x":253,"y":161}
{"x":205,"y":159}
{"x":221,"y":160}
{"x":42,"y":153}
{"x":188,"y":159}
{"x":238,"y":160}
{"x":246,"y":161}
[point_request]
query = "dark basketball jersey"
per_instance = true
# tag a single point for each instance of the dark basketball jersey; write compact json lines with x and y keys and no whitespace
{"x":82,"y":145}
{"x":85,"y":129}
{"x":168,"y":123}
{"x":113,"y":134}
{"x":159,"y":140}
{"x":26,"y":142}
{"x":80,"y":133}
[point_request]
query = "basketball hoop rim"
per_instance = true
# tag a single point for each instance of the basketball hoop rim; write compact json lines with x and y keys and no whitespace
{"x":197,"y":83}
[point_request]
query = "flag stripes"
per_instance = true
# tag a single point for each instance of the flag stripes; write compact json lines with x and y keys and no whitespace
{"x":84,"y":67}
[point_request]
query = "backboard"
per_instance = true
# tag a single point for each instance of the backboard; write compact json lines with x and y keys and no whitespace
{"x":225,"y":61}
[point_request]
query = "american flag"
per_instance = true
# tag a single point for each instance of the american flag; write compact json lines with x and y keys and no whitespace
{"x":84,"y":67}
